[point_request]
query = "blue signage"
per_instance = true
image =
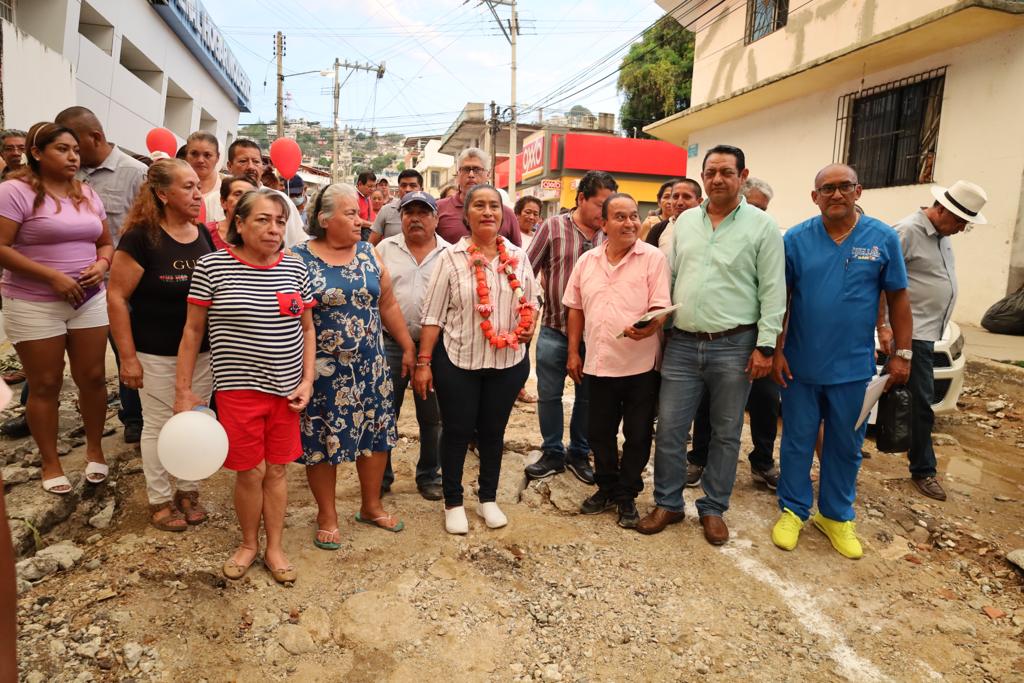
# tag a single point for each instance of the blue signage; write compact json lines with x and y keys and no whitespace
{"x":195,"y":28}
{"x":691,"y":151}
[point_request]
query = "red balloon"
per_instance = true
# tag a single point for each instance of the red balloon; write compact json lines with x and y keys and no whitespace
{"x":286,"y":156}
{"x":162,"y":140}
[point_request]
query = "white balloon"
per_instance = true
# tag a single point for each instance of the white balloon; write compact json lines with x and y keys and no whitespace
{"x":192,"y":445}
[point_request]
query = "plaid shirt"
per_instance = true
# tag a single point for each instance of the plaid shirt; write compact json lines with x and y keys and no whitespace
{"x":556,"y":247}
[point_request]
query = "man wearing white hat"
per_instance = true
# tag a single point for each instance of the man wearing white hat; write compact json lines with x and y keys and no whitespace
{"x":931,"y":276}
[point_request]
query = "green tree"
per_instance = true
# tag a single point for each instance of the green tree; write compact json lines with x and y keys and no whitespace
{"x":655,"y":76}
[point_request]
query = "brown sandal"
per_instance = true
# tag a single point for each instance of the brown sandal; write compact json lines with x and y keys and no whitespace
{"x":194,"y":512}
{"x":167,"y":522}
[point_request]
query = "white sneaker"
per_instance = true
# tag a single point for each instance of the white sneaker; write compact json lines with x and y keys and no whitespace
{"x":492,"y":514}
{"x":455,"y":521}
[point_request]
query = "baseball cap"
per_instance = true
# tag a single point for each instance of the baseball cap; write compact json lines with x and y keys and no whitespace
{"x":418,"y":196}
{"x":296,"y":186}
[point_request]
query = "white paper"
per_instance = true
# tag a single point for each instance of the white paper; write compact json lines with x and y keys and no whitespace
{"x":651,"y":315}
{"x":871,"y":396}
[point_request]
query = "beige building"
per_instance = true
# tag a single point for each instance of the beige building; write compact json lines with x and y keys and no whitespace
{"x":909,"y":93}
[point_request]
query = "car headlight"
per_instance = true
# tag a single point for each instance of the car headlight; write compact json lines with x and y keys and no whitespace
{"x":957,"y":347}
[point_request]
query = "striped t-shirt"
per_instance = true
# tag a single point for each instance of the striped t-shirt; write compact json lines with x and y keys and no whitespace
{"x":255,"y":320}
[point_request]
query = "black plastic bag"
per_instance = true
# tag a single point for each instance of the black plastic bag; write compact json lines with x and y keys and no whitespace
{"x":1006,"y":316}
{"x":893,"y":423}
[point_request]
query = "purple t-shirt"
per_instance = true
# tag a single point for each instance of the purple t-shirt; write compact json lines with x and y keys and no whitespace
{"x":64,"y":241}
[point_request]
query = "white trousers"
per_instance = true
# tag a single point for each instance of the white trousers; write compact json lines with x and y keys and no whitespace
{"x":157,"y":397}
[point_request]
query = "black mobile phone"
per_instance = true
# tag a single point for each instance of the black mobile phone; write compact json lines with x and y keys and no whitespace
{"x":641,"y":324}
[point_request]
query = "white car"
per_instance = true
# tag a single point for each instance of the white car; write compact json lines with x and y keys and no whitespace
{"x":948,"y":360}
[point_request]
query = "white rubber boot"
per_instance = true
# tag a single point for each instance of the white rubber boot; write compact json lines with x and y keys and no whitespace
{"x":492,"y":514}
{"x":455,"y":521}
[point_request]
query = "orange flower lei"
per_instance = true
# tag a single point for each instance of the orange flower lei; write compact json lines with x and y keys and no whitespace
{"x":507,"y":265}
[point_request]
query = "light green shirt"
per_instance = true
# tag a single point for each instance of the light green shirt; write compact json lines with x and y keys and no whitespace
{"x":731,"y":276}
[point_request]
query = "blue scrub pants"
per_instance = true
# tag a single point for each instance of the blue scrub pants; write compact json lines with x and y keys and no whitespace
{"x":804,"y":407}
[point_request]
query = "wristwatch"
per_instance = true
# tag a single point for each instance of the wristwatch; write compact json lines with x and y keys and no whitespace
{"x":767,"y":351}
{"x":905,"y":354}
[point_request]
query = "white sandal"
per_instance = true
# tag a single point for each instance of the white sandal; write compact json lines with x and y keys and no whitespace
{"x":51,"y":485}
{"x":492,"y":514}
{"x":455,"y":521}
{"x":96,"y":472}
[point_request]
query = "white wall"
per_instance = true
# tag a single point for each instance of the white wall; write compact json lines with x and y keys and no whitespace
{"x":26,"y":64}
{"x":979,"y":140}
{"x":87,"y":75}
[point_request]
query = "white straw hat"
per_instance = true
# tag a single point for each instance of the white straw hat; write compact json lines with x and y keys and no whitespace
{"x":963,"y":199}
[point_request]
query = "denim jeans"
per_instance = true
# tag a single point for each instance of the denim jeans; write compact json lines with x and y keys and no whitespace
{"x":474,"y":402}
{"x":552,"y":354}
{"x":130,"y":411}
{"x":690,"y":368}
{"x":428,"y":415}
{"x":763,"y":406}
{"x":922,"y":390}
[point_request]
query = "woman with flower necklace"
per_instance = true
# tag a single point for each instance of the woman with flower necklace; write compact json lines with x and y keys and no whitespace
{"x":479,"y":305}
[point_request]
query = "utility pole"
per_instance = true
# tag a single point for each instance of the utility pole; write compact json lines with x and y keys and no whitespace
{"x":495,"y":127}
{"x":378,"y":69}
{"x":513,"y":142}
{"x":513,"y":133}
{"x":279,"y":51}
{"x":337,"y":98}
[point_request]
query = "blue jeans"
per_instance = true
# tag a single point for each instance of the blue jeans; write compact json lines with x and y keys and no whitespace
{"x":805,"y":406}
{"x":690,"y":368}
{"x":922,"y":389}
{"x":428,"y":415}
{"x":552,"y":354}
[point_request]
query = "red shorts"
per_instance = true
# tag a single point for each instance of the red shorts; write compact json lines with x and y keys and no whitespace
{"x":260,"y":427}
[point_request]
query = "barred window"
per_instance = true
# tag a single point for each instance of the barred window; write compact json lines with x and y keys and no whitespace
{"x":889,"y":133}
{"x":764,"y":17}
{"x":7,"y":10}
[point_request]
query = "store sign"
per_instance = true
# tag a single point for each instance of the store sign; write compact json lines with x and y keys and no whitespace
{"x":550,"y":184}
{"x":532,"y":155}
{"x":195,"y":28}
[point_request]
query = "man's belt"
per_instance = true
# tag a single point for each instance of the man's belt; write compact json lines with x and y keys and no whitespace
{"x":712,"y":336}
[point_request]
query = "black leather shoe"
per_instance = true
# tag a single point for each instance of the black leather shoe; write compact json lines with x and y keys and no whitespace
{"x":580,"y":467}
{"x":431,"y":491}
{"x":629,"y":517}
{"x":597,"y":503}
{"x":133,"y":432}
{"x":16,"y":427}
{"x":549,"y":464}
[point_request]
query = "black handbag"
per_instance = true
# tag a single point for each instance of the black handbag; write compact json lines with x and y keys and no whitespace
{"x":893,"y":423}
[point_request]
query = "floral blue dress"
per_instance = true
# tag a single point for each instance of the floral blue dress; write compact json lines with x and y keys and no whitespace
{"x":351,"y":411}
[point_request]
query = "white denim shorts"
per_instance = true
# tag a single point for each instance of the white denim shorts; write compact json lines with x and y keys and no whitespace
{"x":33,"y":320}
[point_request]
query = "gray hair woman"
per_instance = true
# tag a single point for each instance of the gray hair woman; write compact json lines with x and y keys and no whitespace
{"x":351,"y":415}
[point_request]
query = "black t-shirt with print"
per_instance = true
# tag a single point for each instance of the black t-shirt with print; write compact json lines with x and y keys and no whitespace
{"x":158,"y":306}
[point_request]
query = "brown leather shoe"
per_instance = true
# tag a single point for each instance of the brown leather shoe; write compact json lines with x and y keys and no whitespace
{"x":930,"y":487}
{"x":657,"y":519}
{"x":715,"y":530}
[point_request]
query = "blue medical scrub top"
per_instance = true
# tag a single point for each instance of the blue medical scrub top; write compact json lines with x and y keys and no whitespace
{"x":835,"y":291}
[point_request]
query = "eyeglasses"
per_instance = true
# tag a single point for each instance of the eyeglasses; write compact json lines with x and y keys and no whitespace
{"x":830,"y":189}
{"x":14,"y":148}
{"x":472,"y":170}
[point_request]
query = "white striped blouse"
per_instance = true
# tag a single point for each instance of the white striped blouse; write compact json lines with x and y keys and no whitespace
{"x":451,"y":302}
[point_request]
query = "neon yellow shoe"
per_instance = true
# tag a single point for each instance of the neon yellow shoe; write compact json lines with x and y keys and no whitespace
{"x":841,"y":534}
{"x":786,"y":531}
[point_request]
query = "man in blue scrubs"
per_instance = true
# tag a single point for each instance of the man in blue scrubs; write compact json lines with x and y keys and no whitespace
{"x":837,"y":265}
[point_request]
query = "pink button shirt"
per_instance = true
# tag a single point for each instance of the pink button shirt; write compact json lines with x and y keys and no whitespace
{"x":614,"y":297}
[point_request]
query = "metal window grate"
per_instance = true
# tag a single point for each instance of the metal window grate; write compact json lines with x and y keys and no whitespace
{"x":764,"y":17}
{"x":889,"y":133}
{"x":7,"y":10}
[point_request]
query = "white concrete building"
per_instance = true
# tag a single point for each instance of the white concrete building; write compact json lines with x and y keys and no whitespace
{"x":436,"y":168}
{"x":137,"y":64}
{"x":909,"y":93}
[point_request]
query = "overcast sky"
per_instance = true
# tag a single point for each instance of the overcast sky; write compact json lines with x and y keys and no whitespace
{"x":439,"y":54}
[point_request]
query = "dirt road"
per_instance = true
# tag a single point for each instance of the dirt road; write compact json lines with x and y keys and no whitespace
{"x":556,"y":596}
